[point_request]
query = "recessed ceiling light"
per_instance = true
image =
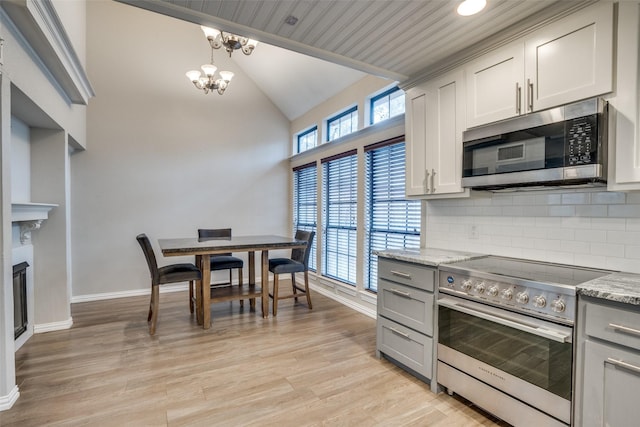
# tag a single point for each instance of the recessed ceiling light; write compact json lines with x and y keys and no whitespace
{"x":471,"y":7}
{"x":291,"y":20}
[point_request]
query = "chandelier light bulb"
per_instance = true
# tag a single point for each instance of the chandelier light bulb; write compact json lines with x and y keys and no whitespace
{"x":226,"y":75}
{"x":471,"y":7}
{"x":209,"y":69}
{"x":210,"y":32}
{"x":193,"y":75}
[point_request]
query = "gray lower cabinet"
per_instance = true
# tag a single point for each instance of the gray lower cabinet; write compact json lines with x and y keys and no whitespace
{"x":406,"y":315}
{"x":608,"y":364}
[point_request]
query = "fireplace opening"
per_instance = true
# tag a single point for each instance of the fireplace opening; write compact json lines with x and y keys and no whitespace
{"x":20,"y":318}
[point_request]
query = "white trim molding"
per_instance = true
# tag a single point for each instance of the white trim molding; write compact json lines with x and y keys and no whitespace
{"x":6,"y":402}
{"x":53,"y":326}
{"x":40,"y":24}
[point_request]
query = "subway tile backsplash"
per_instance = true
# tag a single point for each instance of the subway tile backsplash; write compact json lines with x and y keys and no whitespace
{"x":592,"y":228}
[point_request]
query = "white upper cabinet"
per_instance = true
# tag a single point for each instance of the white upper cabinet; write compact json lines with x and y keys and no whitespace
{"x":568,"y":60}
{"x":624,"y":124}
{"x":435,"y":122}
{"x":494,"y":85}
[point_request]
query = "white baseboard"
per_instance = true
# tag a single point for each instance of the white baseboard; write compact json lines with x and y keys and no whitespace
{"x":344,"y":301}
{"x":6,"y":402}
{"x":125,"y":294}
{"x":53,"y":326}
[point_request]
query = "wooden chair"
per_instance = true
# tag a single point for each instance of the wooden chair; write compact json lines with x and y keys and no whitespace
{"x":298,"y":263}
{"x":221,"y":261}
{"x":173,"y":273}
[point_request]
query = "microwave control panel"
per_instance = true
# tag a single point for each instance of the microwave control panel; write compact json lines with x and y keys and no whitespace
{"x":581,"y":136}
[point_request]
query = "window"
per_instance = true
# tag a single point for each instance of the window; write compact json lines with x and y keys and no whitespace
{"x":386,"y":105}
{"x":305,"y":202}
{"x":392,"y":222}
{"x":340,"y":195}
{"x":308,"y":139}
{"x":342,"y":124}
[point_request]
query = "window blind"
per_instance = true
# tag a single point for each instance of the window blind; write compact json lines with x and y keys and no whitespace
{"x":392,"y":222}
{"x":340,"y":217}
{"x":305,"y":204}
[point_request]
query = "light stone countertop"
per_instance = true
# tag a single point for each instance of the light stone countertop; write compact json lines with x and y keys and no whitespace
{"x":620,"y":287}
{"x":427,"y":256}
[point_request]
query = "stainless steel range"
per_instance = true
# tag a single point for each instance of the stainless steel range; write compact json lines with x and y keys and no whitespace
{"x":505,"y":336}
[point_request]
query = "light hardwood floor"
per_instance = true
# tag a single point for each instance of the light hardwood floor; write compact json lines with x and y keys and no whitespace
{"x":302,"y":368}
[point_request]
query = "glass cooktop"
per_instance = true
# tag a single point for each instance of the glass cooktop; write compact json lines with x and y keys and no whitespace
{"x":535,"y":271}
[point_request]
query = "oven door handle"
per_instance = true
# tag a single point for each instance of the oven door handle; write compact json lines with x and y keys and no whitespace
{"x":506,"y":320}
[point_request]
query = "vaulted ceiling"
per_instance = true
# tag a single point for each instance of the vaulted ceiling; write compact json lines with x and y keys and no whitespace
{"x":403,"y":40}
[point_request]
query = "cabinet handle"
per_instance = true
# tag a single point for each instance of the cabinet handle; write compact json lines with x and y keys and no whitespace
{"x":397,"y":332}
{"x":401,"y":274}
{"x":518,"y":98}
{"x":400,"y":293}
{"x":433,"y":187}
{"x":625,"y":329}
{"x":624,"y":365}
{"x":426,"y":181}
{"x":530,"y":94}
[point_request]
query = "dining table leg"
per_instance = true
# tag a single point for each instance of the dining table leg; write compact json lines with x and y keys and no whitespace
{"x":205,"y":268}
{"x":252,"y":278}
{"x":199,"y":311}
{"x":265,"y":283}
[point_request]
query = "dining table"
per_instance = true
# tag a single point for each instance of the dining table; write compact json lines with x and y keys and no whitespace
{"x":203,"y":248}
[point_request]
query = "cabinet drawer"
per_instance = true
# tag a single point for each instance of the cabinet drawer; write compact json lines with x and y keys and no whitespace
{"x":411,"y":348}
{"x":409,"y":306}
{"x":406,"y":273}
{"x":614,"y":324}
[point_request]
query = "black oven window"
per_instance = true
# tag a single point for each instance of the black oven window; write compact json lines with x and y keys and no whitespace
{"x":539,"y":361}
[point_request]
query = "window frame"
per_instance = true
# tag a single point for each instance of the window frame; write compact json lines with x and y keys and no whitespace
{"x":396,"y":198}
{"x":306,"y":226}
{"x":332,"y":224}
{"x":302,"y":134}
{"x":387,"y":93}
{"x":337,"y":117}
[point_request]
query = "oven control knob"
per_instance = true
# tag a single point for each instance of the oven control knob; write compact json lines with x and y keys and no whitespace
{"x":540,"y":301}
{"x":493,"y":291}
{"x":466,"y":285}
{"x":558,"y":306}
{"x":479,"y":288}
{"x":507,"y":294}
{"x":522,"y":297}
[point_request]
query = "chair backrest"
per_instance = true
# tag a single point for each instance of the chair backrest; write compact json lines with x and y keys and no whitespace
{"x":150,"y":256}
{"x":213,"y":233}
{"x":302,"y":254}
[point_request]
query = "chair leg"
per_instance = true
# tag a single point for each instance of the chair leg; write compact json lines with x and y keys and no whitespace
{"x":275,"y":295}
{"x":239,"y":283}
{"x":293,"y":286}
{"x":306,"y":288}
{"x":155,"y":295}
{"x":150,"y":305}
{"x":191,"y":296}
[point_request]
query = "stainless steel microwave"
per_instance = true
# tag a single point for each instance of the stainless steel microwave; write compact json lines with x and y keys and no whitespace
{"x":557,"y":147}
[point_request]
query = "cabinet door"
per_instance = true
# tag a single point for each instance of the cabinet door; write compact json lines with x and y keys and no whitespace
{"x":494,"y":85}
{"x":445,"y":124}
{"x":612,"y":375}
{"x":624,"y":125}
{"x":415,"y":129}
{"x":571,"y":59}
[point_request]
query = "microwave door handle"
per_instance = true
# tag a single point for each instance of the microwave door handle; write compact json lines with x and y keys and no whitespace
{"x":506,"y":320}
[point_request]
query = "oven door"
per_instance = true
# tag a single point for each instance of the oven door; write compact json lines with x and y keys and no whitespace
{"x":525,"y":357}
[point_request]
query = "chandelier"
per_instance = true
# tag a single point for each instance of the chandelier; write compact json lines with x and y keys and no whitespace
{"x":231,"y":42}
{"x":208,"y":82}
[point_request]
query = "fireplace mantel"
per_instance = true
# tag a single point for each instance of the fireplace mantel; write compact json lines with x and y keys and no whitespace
{"x":29,"y":217}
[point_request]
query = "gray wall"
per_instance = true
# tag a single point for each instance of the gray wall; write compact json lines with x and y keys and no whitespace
{"x":163,"y":158}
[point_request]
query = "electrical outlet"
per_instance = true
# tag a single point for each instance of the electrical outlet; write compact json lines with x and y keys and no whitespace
{"x":473,"y":232}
